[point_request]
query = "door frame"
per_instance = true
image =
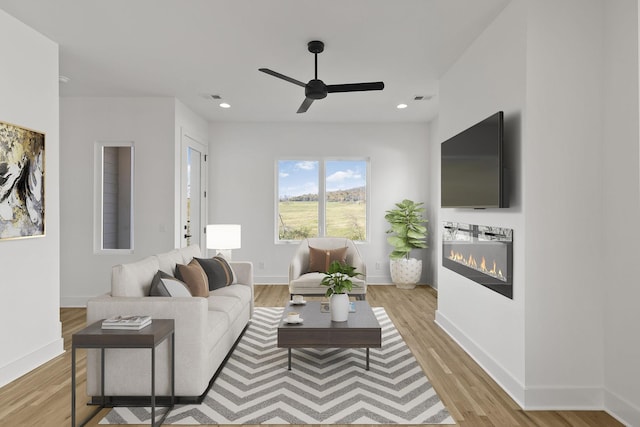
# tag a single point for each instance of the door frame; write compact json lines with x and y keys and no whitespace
{"x":188,"y":140}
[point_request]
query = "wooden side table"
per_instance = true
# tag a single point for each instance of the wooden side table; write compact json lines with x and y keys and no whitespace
{"x":93,"y":336}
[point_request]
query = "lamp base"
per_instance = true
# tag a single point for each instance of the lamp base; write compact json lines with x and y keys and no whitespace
{"x":224,"y":253}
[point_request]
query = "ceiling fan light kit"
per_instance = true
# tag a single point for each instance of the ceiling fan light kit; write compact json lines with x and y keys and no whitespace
{"x":316,"y":88}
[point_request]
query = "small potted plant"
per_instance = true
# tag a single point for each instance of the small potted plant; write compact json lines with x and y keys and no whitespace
{"x":338,"y":281}
{"x":409,"y":233}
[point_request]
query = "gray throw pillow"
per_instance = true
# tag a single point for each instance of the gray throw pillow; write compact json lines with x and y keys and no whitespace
{"x":218,"y":270}
{"x":164,"y":285}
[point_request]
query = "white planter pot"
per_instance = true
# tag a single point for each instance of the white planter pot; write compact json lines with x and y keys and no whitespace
{"x":405,"y":273}
{"x":339,"y":307}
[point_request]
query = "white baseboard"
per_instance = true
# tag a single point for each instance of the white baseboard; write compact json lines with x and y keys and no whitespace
{"x":544,"y":398}
{"x":621,"y":410}
{"x":29,"y":362}
{"x":501,"y":376}
{"x":564,"y":398}
{"x":271,"y":280}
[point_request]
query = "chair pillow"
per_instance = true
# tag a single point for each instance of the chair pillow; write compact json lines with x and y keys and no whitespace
{"x":165,"y":285}
{"x":195,"y":278}
{"x":219,"y":272}
{"x":321,"y":259}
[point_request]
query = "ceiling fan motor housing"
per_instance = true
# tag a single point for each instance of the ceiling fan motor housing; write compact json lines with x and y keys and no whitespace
{"x":315,"y":89}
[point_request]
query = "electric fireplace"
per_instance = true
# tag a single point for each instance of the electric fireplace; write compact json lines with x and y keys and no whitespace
{"x":481,"y":253}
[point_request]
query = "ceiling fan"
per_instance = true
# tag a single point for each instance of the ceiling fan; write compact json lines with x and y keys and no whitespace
{"x":316,"y":89}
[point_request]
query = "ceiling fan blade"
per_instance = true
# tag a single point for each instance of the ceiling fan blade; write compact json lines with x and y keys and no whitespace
{"x":305,"y":105}
{"x":355,"y":87}
{"x":282,"y":76}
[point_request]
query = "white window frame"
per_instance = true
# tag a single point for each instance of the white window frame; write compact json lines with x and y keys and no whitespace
{"x":98,"y":189}
{"x":322,"y":197}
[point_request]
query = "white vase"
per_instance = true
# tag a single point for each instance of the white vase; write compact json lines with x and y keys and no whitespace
{"x":405,"y":273}
{"x":339,"y":307}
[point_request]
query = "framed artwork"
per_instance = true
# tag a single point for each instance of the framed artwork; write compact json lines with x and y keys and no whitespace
{"x":21,"y":182}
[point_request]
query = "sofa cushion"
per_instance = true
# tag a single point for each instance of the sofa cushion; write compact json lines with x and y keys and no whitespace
{"x":195,"y":278}
{"x":229,"y":305}
{"x":219,"y":272}
{"x":165,"y":285}
{"x":240,"y":292}
{"x":217,"y":325}
{"x":321,"y":259}
{"x":133,"y":279}
{"x":312,"y":280}
{"x":189,"y":253}
{"x":168,"y":261}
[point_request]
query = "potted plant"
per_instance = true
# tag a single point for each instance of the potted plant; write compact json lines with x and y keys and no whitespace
{"x":338,"y":281}
{"x":409,"y":233}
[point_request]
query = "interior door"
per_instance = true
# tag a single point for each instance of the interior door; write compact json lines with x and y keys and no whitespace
{"x":193,"y":210}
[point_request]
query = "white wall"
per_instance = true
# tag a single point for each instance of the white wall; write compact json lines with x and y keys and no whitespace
{"x":30,"y":328}
{"x":566,"y":73}
{"x":488,"y":77}
{"x":242,"y":182}
{"x":621,"y":201}
{"x":150,"y":124}
{"x":563,"y":180}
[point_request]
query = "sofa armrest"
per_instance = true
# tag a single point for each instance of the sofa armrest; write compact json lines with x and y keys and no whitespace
{"x":190,"y":313}
{"x":244,"y":276}
{"x":295,"y":268}
{"x":361,"y":267}
{"x":192,"y":346}
{"x":243,"y":271}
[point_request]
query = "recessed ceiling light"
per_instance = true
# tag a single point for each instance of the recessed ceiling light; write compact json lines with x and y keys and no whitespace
{"x":64,"y":79}
{"x":225,"y":105}
{"x":401,"y":106}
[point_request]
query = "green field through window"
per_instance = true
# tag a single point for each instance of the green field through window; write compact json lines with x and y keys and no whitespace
{"x":345,"y":212}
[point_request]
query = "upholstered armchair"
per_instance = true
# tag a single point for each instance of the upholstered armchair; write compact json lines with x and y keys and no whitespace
{"x":312,"y":258}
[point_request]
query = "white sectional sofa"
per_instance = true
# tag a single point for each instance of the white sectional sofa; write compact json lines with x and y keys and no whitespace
{"x":206,"y":329}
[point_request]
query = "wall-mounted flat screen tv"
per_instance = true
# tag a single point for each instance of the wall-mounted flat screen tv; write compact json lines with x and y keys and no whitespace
{"x":472,"y":171}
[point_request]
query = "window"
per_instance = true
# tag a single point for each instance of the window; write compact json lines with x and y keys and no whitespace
{"x":322,"y":198}
{"x":114,"y":197}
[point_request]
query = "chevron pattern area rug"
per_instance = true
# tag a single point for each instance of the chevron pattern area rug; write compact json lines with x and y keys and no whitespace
{"x":325,"y":386}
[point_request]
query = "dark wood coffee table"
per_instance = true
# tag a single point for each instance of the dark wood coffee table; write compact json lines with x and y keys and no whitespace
{"x":318,"y":331}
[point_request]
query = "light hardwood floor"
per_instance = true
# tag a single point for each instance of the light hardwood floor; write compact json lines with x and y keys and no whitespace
{"x":42,"y":397}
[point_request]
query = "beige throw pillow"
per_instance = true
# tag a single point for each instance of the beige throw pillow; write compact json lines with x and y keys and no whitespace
{"x":195,"y":278}
{"x":321,"y":259}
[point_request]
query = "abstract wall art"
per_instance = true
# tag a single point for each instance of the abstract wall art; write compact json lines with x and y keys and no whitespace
{"x":21,"y":182}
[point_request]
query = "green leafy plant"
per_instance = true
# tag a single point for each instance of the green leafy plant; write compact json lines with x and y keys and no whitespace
{"x":338,"y":278}
{"x":406,"y":222}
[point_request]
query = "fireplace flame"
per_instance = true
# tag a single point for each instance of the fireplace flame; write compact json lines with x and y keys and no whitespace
{"x":471,"y":262}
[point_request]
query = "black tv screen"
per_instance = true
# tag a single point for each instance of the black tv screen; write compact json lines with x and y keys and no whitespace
{"x":471,"y":166}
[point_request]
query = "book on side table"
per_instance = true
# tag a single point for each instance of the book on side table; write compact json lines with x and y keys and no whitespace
{"x":126,"y":322}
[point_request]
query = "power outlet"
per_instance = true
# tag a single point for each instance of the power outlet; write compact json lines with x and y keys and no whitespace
{"x":378,"y":265}
{"x":261,"y":265}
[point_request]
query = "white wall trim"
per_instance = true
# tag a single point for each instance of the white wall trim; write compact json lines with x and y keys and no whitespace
{"x":504,"y":379}
{"x":75,"y":302}
{"x":535,"y":398}
{"x":621,"y":409}
{"x":29,"y":362}
{"x":270,"y":280}
{"x":564,"y":398}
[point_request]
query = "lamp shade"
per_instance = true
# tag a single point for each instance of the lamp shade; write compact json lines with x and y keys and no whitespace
{"x":223,"y":236}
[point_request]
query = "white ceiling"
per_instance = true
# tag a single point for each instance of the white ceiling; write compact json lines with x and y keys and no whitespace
{"x":189,"y":48}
